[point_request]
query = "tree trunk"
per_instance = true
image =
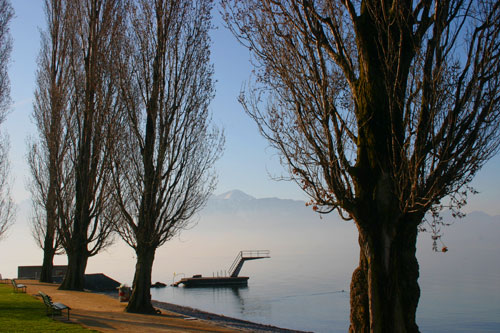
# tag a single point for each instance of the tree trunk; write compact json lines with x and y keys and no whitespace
{"x":384,"y":288}
{"x":360,"y":312}
{"x":48,"y":259}
{"x":49,"y":247}
{"x":140,"y":301}
{"x":75,"y":275}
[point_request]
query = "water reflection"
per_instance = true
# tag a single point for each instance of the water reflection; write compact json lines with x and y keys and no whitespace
{"x":241,"y":301}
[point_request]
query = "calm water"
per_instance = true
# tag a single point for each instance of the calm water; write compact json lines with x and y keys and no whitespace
{"x":310,"y":292}
{"x":305,"y":283}
{"x":289,"y":296}
{"x":293,"y":297}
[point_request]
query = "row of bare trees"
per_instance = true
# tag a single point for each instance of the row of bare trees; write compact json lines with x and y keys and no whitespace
{"x":380,"y":110}
{"x":7,"y":208}
{"x":125,"y":142}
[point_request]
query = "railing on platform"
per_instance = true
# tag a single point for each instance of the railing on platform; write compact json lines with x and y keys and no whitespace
{"x":248,"y":254}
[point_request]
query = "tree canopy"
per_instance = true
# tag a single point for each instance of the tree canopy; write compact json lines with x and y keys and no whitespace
{"x":164,"y":173}
{"x":380,"y":110}
{"x":7,"y":208}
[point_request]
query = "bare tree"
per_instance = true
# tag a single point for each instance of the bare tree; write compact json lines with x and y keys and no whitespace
{"x":7,"y":209}
{"x":164,"y":174}
{"x":95,"y":33}
{"x":381,"y":110}
{"x":48,"y":156}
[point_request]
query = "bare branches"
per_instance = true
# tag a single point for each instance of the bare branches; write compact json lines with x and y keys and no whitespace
{"x":7,"y":209}
{"x":93,"y":33}
{"x":459,"y":110}
{"x":163,"y":171}
{"x":166,"y":82}
{"x":313,"y":99}
{"x":6,"y":15}
{"x":380,"y":109}
{"x":48,"y":156}
{"x":434,"y":117}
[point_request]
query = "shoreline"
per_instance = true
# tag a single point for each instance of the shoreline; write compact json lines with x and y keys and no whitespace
{"x":217,"y":319}
{"x":103,"y":312}
{"x":221,"y":319}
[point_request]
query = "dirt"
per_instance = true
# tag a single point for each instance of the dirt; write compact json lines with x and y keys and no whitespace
{"x":105,"y":313}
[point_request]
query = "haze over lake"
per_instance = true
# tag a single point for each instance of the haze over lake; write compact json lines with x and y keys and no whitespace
{"x":311,"y":262}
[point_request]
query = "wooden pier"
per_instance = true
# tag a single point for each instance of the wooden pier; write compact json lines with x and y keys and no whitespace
{"x":232,"y":279}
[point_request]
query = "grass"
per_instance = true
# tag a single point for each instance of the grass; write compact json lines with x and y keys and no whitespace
{"x":21,"y":312}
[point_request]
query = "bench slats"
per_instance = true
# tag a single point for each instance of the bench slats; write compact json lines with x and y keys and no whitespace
{"x":55,"y":308}
{"x":18,"y":286}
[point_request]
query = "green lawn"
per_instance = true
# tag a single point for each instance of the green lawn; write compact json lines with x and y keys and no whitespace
{"x":21,"y":312}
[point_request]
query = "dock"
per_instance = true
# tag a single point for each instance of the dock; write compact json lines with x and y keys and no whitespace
{"x":233,"y":278}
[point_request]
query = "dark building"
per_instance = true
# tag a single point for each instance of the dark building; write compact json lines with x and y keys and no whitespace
{"x":94,"y":282}
{"x":33,"y":272}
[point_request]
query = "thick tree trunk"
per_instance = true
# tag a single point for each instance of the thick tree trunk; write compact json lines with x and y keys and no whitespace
{"x":48,"y":259}
{"x":360,"y":310}
{"x":75,"y":275}
{"x":384,"y":288}
{"x":140,"y":301}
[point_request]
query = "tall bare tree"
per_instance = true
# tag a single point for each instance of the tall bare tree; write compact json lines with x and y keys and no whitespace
{"x":381,"y":110}
{"x":7,"y":206}
{"x":48,"y":157}
{"x":164,"y":174}
{"x":7,"y":209}
{"x":96,"y":31}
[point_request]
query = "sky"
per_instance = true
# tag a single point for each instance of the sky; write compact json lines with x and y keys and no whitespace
{"x":247,"y":164}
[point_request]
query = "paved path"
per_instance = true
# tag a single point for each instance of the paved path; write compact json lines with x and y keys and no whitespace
{"x":106,"y":314}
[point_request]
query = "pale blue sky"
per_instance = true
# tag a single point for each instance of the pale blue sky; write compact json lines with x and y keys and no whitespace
{"x":247,"y":161}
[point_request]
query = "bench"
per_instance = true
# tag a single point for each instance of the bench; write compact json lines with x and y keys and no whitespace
{"x":18,"y":286}
{"x":54,"y":308}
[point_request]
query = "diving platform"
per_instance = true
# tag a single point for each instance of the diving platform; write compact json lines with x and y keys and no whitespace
{"x":233,"y":278}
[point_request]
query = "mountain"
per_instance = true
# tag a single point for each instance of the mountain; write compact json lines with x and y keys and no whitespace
{"x":234,"y":195}
{"x":236,"y":209}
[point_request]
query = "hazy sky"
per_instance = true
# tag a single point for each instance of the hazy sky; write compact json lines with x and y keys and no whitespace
{"x":247,"y":162}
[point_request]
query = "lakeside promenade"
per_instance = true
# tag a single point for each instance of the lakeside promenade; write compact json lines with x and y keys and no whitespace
{"x":106,"y":314}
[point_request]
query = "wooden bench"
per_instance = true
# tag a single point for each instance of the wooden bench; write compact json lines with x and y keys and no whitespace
{"x":54,"y":308}
{"x":18,"y":287}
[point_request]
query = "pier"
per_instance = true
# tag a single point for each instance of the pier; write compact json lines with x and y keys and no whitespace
{"x":233,"y":278}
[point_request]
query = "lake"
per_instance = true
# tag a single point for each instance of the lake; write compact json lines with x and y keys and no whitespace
{"x":296,"y":293}
{"x":305,"y":283}
{"x":290,"y":296}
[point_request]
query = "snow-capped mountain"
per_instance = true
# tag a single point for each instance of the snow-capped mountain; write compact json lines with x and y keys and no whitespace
{"x":234,"y":195}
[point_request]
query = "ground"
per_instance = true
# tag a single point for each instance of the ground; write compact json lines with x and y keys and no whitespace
{"x":106,"y":314}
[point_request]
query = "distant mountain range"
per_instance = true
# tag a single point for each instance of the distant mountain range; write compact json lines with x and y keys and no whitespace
{"x":235,"y":221}
{"x":239,"y":209}
{"x":234,"y":195}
